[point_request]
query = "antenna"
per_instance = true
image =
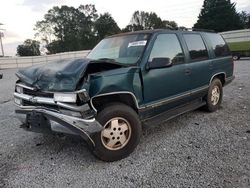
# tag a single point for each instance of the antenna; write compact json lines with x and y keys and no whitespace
{"x":1,"y":36}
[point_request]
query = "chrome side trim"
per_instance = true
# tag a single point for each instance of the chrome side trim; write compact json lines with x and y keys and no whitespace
{"x":113,"y":93}
{"x":216,"y":75}
{"x":155,"y":104}
{"x":176,"y":97}
{"x":199,"y":89}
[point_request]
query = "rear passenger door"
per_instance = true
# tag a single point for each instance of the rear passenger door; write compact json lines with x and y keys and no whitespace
{"x":222,"y":59}
{"x":200,"y":65}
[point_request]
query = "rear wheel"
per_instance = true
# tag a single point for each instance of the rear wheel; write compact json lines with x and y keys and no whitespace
{"x":121,"y":133}
{"x":236,"y":57}
{"x":214,"y":95}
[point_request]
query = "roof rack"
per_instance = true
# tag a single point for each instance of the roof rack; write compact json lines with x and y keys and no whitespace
{"x":196,"y":29}
{"x":203,"y":30}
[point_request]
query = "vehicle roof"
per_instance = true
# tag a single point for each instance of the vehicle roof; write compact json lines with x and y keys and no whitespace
{"x":155,"y":31}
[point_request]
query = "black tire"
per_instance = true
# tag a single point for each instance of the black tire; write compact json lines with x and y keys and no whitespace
{"x":211,"y":106}
{"x":107,"y":113}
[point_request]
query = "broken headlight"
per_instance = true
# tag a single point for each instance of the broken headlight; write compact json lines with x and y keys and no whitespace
{"x":83,"y":95}
{"x":19,"y":89}
{"x":65,"y":97}
{"x":71,"y":97}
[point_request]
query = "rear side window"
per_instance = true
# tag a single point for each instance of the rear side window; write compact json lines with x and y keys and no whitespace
{"x":219,"y":46}
{"x":196,"y":47}
{"x":167,"y":46}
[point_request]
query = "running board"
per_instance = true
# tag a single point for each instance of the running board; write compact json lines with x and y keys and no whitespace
{"x":175,"y":112}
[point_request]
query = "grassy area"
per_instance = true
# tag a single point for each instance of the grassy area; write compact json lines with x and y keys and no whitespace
{"x":239,"y":46}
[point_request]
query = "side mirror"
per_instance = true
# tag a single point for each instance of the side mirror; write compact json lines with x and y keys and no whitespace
{"x":160,"y":62}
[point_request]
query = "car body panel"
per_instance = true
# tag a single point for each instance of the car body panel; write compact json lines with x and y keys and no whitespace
{"x":119,"y":80}
{"x":48,"y":77}
{"x":61,"y":76}
{"x":153,"y":92}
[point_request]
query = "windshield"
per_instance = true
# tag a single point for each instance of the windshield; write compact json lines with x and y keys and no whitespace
{"x":125,"y":49}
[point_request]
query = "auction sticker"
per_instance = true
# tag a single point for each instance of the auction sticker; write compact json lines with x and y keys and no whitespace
{"x":137,"y":43}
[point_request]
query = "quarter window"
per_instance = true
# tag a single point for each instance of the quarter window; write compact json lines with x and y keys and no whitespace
{"x":196,"y":47}
{"x":218,"y":44}
{"x":167,"y":46}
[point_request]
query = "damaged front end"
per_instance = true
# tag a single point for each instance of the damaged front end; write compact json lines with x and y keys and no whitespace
{"x":55,"y":98}
{"x":55,"y":112}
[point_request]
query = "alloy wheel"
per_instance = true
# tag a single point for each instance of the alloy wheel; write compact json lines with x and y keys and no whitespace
{"x":116,"y":133}
{"x":215,"y":97}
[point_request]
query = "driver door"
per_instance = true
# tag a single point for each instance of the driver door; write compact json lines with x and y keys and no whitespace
{"x":166,"y":85}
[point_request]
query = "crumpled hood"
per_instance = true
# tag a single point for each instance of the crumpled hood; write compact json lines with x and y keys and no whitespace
{"x":62,"y":75}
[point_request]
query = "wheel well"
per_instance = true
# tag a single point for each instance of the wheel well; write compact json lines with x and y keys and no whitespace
{"x":221,"y":77}
{"x":125,"y":98}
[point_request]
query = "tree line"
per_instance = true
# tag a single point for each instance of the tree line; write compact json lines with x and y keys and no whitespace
{"x":67,"y":28}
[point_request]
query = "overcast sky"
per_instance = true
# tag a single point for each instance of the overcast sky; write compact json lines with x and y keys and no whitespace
{"x":20,"y":16}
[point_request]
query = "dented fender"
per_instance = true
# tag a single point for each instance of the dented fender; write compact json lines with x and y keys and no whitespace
{"x":119,"y":80}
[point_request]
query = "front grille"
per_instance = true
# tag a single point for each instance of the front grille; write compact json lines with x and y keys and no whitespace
{"x":37,"y":93}
{"x":28,"y":103}
{"x":29,"y":91}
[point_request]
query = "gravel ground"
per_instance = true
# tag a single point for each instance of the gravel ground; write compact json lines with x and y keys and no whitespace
{"x":197,"y":149}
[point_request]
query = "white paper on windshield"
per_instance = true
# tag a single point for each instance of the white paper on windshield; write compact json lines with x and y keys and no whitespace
{"x":137,"y":43}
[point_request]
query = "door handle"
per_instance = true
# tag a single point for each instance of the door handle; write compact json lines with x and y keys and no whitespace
{"x":187,"y":71}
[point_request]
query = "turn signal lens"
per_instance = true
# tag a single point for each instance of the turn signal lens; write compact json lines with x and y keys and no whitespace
{"x":65,"y":97}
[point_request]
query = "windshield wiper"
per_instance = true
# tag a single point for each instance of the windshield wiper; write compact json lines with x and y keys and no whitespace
{"x":110,"y":60}
{"x":107,"y":59}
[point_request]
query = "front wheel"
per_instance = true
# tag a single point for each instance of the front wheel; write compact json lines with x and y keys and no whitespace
{"x":214,"y":95}
{"x":121,"y":133}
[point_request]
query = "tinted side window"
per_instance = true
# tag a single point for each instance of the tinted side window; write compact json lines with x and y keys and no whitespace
{"x":218,"y":44}
{"x":196,"y":47}
{"x":167,"y":46}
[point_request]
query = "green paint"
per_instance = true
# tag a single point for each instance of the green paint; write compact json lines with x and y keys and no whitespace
{"x":179,"y":83}
{"x":239,"y":46}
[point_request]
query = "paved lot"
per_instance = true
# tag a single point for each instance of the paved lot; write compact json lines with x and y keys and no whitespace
{"x":197,"y":149}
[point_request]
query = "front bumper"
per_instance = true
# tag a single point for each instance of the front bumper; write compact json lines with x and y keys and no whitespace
{"x":38,"y":117}
{"x":57,"y":122}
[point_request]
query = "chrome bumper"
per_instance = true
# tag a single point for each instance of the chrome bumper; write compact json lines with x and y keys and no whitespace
{"x":56,"y":121}
{"x":50,"y":101}
{"x":64,"y":123}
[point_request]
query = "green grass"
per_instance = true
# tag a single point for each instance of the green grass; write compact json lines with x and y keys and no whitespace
{"x":239,"y":46}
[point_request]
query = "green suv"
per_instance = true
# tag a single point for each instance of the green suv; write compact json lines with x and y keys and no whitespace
{"x":126,"y":81}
